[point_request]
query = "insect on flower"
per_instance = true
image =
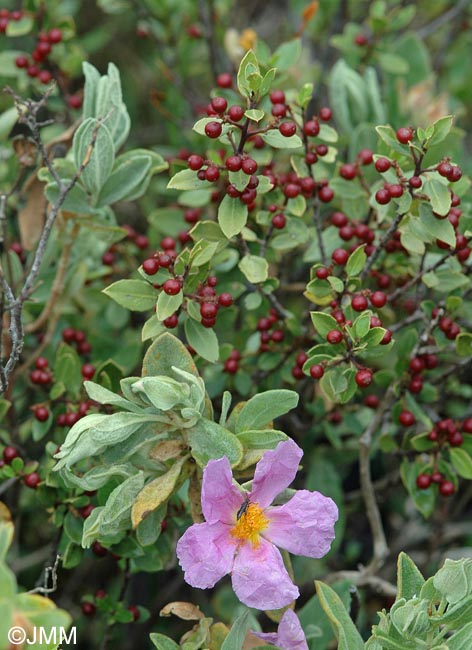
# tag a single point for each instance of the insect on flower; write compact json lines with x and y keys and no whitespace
{"x":243,"y":508}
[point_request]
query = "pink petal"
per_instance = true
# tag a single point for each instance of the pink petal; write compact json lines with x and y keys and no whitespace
{"x":275,"y":471}
{"x":260,"y":578}
{"x":290,"y":633}
{"x":221,"y":499}
{"x":304,"y":525}
{"x":205,"y":552}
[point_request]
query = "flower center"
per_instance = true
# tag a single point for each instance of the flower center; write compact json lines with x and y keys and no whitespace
{"x":251,"y":522}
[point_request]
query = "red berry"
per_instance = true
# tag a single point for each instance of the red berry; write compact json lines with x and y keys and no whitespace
{"x":279,"y":110}
{"x":297,"y":372}
{"x":396,"y":191}
{"x":406,"y":418}
{"x":378,"y":299}
{"x":213,"y":129}
{"x":32,"y":71}
{"x":321,"y":149}
{"x":334,"y":336}
{"x":291,"y":190}
{"x":317,"y":371}
{"x":212,"y":281}
{"x":233,"y":163}
{"x":99,"y":550}
{"x":54,"y":35}
{"x":135,"y":612}
{"x":249,"y":166}
{"x":151,"y":266}
{"x":141,"y":241}
{"x":279,"y":221}
{"x":446,"y":488}
{"x":172,"y":287}
{"x":21,"y":61}
{"x":348,"y":171}
{"x":195,"y":162}
{"x":277,"y":97}
{"x":455,"y":174}
{"x":383,"y":196}
{"x":208,"y":310}
{"x":404,"y":134}
{"x":108,"y":258}
{"x":415,"y":182}
{"x":366,"y":156}
{"x":339,"y":219}
{"x":165,"y":259}
{"x":41,"y":363}
{"x":372,"y":401}
{"x":311,"y":128}
{"x":467,"y":425}
{"x":231,"y":366}
{"x":9,"y":453}
{"x":277,"y":336}
{"x":263,"y":324}
{"x":363,"y":378}
{"x":168,"y":243}
{"x":74,"y":101}
{"x":224,"y":80}
{"x":88,"y":371}
{"x":423,"y":481}
{"x":88,"y":609}
{"x":32,"y":480}
{"x":326,"y":114}
{"x":225,"y":299}
{"x":86,"y":511}
{"x":41,"y":413}
{"x":359,"y":302}
{"x":43,"y":48}
{"x":208,"y":322}
{"x":287,"y":129}
{"x":325,"y":194}
{"x":382,"y":165}
{"x":416,"y":365}
{"x":322,"y":273}
{"x":171,"y":321}
{"x":301,"y":358}
{"x":340,"y":256}
{"x":219,"y":104}
{"x":456,"y":439}
{"x":437,"y":477}
{"x":236,"y":113}
{"x":361,"y":40}
{"x":212,"y":173}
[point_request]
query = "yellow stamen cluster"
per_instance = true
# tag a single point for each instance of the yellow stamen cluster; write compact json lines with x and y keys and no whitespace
{"x":252,"y":522}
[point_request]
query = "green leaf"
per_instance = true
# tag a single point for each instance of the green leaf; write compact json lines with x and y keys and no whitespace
{"x":287,"y":54}
{"x":135,"y":295}
{"x":99,"y":159}
{"x":437,"y":228}
{"x":186,"y":179}
{"x":438,"y":193}
{"x":254,"y":114}
{"x":104,"y":396}
{"x":393,"y":63}
{"x":20,"y":27}
{"x":409,"y":578}
{"x":202,"y":339}
{"x":464,"y":344}
{"x":441,"y":129}
{"x":345,"y":630}
{"x":460,"y":640}
{"x":261,"y":438}
{"x":248,"y":65}
{"x":266,"y":83}
{"x":67,"y":369}
{"x":361,"y":325}
{"x":424,"y":500}
{"x":168,"y":305}
{"x":387,"y":134}
{"x":156,"y":493}
{"x":232,"y":216}
{"x":164,"y":353}
{"x":163,"y":642}
{"x":461,"y":462}
{"x":210,"y":440}
{"x":275,"y":139}
{"x":323,"y":323}
{"x":356,"y":261}
{"x":237,"y":633}
{"x":328,"y":134}
{"x":202,"y":252}
{"x":261,"y":409}
{"x":256,"y":269}
{"x":8,"y":119}
{"x":128,"y":173}
{"x":338,"y":384}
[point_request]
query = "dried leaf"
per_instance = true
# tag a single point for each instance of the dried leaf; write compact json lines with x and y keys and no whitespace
{"x":185,"y":611}
{"x":31,"y":215}
{"x":167,"y":449}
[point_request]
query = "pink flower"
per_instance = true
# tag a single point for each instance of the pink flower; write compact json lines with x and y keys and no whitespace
{"x":289,"y":635}
{"x":242,"y":530}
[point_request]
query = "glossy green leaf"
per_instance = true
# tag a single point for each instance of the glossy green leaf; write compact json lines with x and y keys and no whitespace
{"x":202,"y":339}
{"x":232,"y":216}
{"x":261,"y":409}
{"x":135,"y":295}
{"x":256,"y":269}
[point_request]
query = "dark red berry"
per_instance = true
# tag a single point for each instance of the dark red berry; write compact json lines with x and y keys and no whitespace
{"x":348,"y":171}
{"x":88,"y":609}
{"x":291,"y":190}
{"x":383,"y":196}
{"x":277,"y":97}
{"x":236,"y":113}
{"x":212,"y":173}
{"x":340,"y":256}
{"x":219,"y":104}
{"x":231,"y":366}
{"x":437,"y":477}
{"x":225,"y":299}
{"x":141,"y":241}
{"x":249,"y":166}
{"x":455,"y":174}
{"x":233,"y":163}
{"x":86,"y":511}
{"x":456,"y":439}
{"x":301,"y":358}
{"x":279,"y":110}
{"x":151,"y":266}
{"x":135,"y":612}
{"x":9,"y":453}
{"x":316,"y":371}
{"x":446,"y":488}
{"x":361,"y":40}
{"x":171,"y":321}
{"x":287,"y":129}
{"x":41,"y":413}
{"x":277,"y":336}
{"x":415,"y":182}
{"x":54,"y":35}
{"x":311,"y":128}
{"x":366,"y":156}
{"x":279,"y":221}
{"x":378,"y":299}
{"x":325,"y":194}
{"x":404,"y":134}
{"x":363,"y":377}
{"x":423,"y":481}
{"x":172,"y":287}
{"x":213,"y":129}
{"x":359,"y":303}
{"x":208,"y":310}
{"x":326,"y":113}
{"x":88,"y":371}
{"x":195,"y":162}
{"x":334,"y":336}
{"x":382,"y":165}
{"x":41,"y":363}
{"x":406,"y":418}
{"x":467,"y":425}
{"x":224,"y":80}
{"x":21,"y":61}
{"x":322,"y":273}
{"x":32,"y":480}
{"x":99,"y":550}
{"x":372,"y":401}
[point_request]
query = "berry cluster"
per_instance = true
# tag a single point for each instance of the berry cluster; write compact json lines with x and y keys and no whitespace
{"x":231,"y":365}
{"x":264,"y":326}
{"x":41,"y":375}
{"x":77,"y":337}
{"x":26,"y":472}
